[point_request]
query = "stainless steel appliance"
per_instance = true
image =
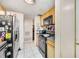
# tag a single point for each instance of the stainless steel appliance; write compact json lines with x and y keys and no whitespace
{"x":42,"y":46}
{"x":10,"y":33}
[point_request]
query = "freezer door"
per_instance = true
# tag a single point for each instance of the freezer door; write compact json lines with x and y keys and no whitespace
{"x":15,"y":36}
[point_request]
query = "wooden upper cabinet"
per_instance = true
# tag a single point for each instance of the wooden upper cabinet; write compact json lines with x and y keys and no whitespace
{"x":50,"y":12}
{"x":2,"y":10}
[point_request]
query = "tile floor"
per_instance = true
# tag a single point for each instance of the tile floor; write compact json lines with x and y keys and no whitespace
{"x":29,"y":51}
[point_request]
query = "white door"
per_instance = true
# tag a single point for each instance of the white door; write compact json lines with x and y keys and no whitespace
{"x":65,"y":28}
{"x":77,"y":28}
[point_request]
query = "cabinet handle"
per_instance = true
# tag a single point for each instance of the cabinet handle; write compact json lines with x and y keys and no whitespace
{"x":77,"y":43}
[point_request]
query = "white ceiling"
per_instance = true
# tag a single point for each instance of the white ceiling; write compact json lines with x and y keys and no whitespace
{"x":39,"y":7}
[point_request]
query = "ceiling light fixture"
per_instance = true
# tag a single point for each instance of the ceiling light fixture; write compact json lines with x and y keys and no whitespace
{"x":30,"y":1}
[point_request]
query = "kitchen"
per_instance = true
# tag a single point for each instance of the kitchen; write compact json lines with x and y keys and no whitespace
{"x":16,"y":34}
{"x":40,"y":30}
{"x":45,"y":33}
{"x":10,"y":36}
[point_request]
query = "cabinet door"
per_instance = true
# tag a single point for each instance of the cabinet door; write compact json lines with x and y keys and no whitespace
{"x":77,"y":51}
{"x":77,"y":28}
{"x":77,"y":21}
{"x":50,"y":51}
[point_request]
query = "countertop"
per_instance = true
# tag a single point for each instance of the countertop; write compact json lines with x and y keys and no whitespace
{"x":51,"y":38}
{"x":48,"y":37}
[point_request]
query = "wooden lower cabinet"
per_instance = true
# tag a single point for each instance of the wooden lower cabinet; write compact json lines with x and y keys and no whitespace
{"x":50,"y":49}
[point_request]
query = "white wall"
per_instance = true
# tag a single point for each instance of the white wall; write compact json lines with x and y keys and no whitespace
{"x":57,"y":28}
{"x":37,"y":26}
{"x":65,"y":28}
{"x":28,"y":28}
{"x":77,"y":28}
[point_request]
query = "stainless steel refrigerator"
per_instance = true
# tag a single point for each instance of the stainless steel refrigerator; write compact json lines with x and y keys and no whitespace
{"x":10,"y":26}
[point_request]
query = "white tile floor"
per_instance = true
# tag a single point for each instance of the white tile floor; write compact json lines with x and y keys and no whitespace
{"x":29,"y":51}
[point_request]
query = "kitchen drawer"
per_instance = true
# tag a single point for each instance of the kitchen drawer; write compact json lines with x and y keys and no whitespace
{"x":77,"y":51}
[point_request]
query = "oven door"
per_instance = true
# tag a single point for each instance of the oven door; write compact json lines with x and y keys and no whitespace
{"x":42,"y":45}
